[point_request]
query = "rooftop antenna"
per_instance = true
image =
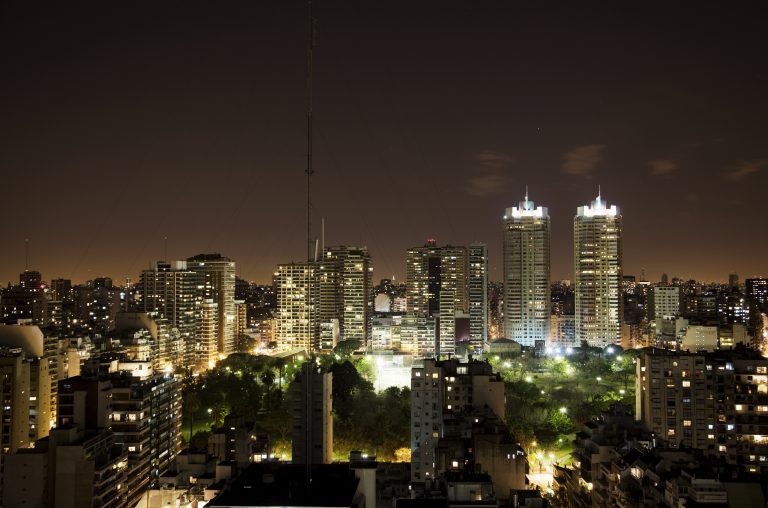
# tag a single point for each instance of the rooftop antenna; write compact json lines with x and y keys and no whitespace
{"x":599,"y":192}
{"x":526,"y":194}
{"x":310,"y":110}
{"x":165,"y":248}
{"x":26,"y":254}
{"x":322,"y":236}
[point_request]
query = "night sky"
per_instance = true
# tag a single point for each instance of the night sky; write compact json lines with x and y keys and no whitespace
{"x":124,"y":122}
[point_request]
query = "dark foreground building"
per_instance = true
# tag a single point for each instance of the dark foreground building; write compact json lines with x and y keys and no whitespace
{"x":289,"y":485}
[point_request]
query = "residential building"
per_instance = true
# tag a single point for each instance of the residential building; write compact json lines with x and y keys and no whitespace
{"x":168,"y":290}
{"x":206,"y":352}
{"x":526,"y":273}
{"x":297,"y":291}
{"x":26,"y":300}
{"x":346,"y":291}
{"x":312,"y":436}
{"x":665,"y":302}
{"x":477,"y":282}
{"x":141,"y":409}
{"x":431,"y":269}
{"x":598,"y":273}
{"x":440,"y":390}
{"x":418,"y":335}
{"x":716,"y":402}
{"x":215,"y":280}
{"x":69,"y":468}
{"x":97,"y":303}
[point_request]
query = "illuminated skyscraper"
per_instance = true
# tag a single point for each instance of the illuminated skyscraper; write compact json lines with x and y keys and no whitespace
{"x":168,"y":291}
{"x":431,"y":269}
{"x":436,"y":286}
{"x":478,"y":294}
{"x":296,"y":324}
{"x":598,"y":273}
{"x":215,"y":281}
{"x":346,"y":291}
{"x":526,"y":273}
{"x":206,"y":336}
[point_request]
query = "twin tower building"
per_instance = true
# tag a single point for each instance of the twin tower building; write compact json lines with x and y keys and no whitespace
{"x":597,"y":269}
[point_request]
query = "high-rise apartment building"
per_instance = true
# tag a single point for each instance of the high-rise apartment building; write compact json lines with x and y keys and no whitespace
{"x":756,"y":291}
{"x":97,"y":303}
{"x":436,"y":286}
{"x":526,"y":273}
{"x":35,"y":377}
{"x":312,"y":437}
{"x":446,"y":337}
{"x":215,"y":280}
{"x":25,"y":392}
{"x":142,"y":409}
{"x":478,"y":294}
{"x":168,"y":291}
{"x":431,"y":269}
{"x":26,"y":300}
{"x":440,"y":392}
{"x":417,"y":335}
{"x":598,"y":273}
{"x":665,"y":302}
{"x":71,"y":468}
{"x":716,"y":402}
{"x":206,"y":351}
{"x":297,"y":291}
{"x":346,"y":291}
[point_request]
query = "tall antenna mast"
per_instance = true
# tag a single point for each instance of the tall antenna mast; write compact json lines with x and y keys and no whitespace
{"x":310,"y":109}
{"x":26,"y":254}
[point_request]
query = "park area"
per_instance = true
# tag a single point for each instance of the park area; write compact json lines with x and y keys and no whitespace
{"x":548,"y":399}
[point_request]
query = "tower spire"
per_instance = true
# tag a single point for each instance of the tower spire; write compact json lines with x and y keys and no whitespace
{"x":526,"y":193}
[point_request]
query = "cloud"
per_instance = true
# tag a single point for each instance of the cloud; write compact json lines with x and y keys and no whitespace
{"x":746,"y":168}
{"x":662,"y":167}
{"x":491,"y":159}
{"x":485,"y":185}
{"x":583,"y":160}
{"x":490,"y":173}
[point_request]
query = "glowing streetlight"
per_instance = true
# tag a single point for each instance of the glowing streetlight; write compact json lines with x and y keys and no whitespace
{"x":563,"y":409}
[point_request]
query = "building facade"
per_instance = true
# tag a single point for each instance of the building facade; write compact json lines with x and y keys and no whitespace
{"x":215,"y":280}
{"x":441,"y":390}
{"x":716,"y":402}
{"x":296,"y":323}
{"x":311,"y":407}
{"x":526,"y":273}
{"x":168,"y":291}
{"x":477,"y":283}
{"x":598,"y":273}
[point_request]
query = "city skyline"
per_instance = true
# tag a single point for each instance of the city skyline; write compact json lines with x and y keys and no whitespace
{"x":189,"y":124}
